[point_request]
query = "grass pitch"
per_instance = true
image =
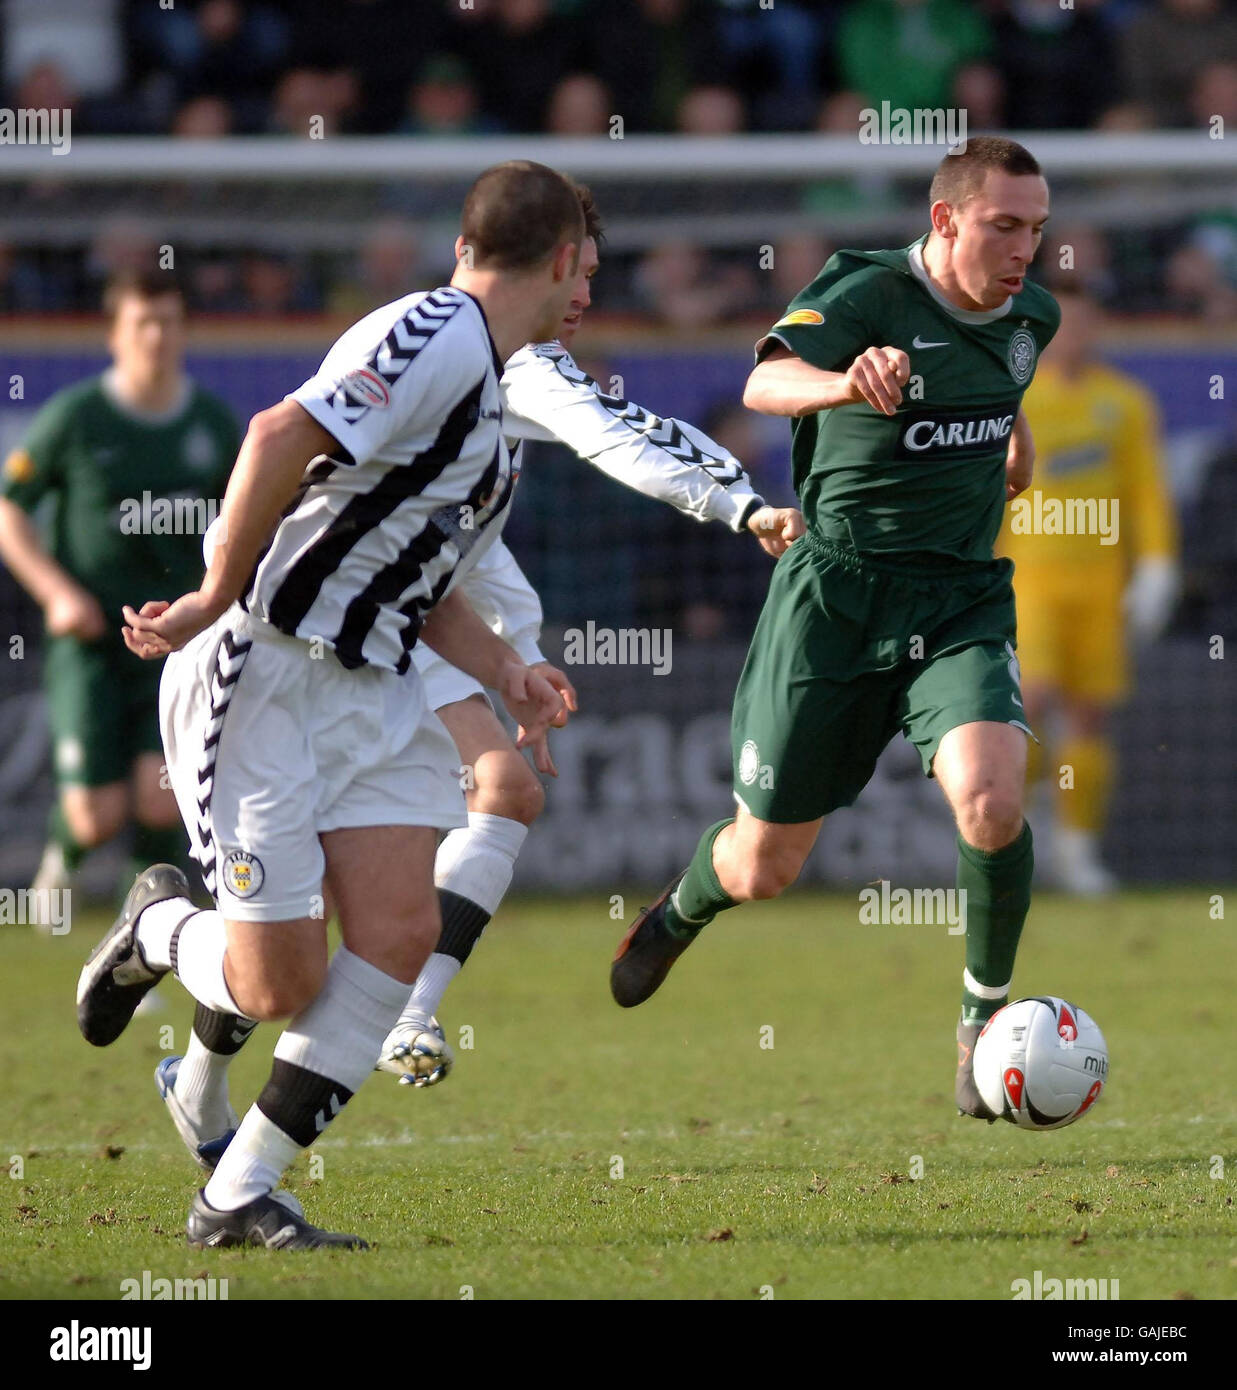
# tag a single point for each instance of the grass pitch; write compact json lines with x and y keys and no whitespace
{"x":583,"y":1151}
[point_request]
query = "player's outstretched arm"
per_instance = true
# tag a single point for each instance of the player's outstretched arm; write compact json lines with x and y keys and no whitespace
{"x":537,"y":699}
{"x":280,"y":444}
{"x":784,"y":384}
{"x":547,"y":397}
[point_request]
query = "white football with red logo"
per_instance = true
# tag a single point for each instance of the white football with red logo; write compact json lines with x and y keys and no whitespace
{"x":1040,"y":1063}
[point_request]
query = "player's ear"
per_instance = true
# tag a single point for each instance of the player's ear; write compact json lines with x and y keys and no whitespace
{"x":943,"y":219}
{"x":566,"y":261}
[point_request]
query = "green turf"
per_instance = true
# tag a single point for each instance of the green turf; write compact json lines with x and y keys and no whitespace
{"x":745,"y":1169}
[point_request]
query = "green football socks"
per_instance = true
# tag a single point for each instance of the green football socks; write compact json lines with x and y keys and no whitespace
{"x":699,"y":897}
{"x":998,"y":896}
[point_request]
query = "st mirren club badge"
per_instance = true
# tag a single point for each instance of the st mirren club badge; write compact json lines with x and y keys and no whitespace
{"x":243,"y":874}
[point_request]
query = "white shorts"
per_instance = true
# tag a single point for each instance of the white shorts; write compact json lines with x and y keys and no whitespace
{"x":444,"y":684}
{"x":268,"y":747}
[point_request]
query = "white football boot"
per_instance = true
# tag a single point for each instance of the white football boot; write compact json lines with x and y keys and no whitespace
{"x":418,"y":1053}
{"x":205,"y":1149}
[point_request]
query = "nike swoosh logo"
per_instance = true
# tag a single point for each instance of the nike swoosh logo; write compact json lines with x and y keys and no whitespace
{"x":1016,"y":701}
{"x":916,"y":343}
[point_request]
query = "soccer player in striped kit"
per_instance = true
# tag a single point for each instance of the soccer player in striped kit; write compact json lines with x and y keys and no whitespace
{"x":300,"y":746}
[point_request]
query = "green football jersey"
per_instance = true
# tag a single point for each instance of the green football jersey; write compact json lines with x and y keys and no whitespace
{"x":132,"y":495}
{"x":929,"y":479}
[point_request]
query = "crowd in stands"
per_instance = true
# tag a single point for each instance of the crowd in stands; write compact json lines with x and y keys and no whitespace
{"x":213,"y":67}
{"x":210,"y":68}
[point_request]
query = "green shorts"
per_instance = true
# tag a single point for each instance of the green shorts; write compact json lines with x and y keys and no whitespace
{"x":103,"y":709}
{"x":849,"y":650}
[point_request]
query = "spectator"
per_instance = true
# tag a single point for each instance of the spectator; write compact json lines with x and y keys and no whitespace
{"x":230,"y":49}
{"x":1057,"y":63}
{"x":444,"y":100}
{"x":771,"y":57}
{"x":274,"y":287}
{"x":1080,"y":257}
{"x":683,"y":286}
{"x":214,"y":286}
{"x":579,"y":105}
{"x":45,"y":86}
{"x":311,"y":103}
{"x":843,"y":113}
{"x":388,"y":267}
{"x":520,"y":51}
{"x":1215,"y":94}
{"x":123,"y":244}
{"x":381,"y":43}
{"x":25,"y":288}
{"x":711,"y":111}
{"x":1125,"y":118}
{"x":1202,"y":274}
{"x":83,"y":36}
{"x":1166,"y":46}
{"x":979,"y":92}
{"x":651,"y":53}
{"x":797,"y":261}
{"x":907,"y":52}
{"x":203,"y":118}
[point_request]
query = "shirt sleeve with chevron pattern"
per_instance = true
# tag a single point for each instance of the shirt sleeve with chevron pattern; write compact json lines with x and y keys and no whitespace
{"x":547,"y":397}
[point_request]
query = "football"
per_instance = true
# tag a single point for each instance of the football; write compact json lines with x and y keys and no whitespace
{"x":1040,"y":1063}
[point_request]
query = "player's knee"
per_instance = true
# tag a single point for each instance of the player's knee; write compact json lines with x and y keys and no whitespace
{"x":990,"y":818}
{"x":510,"y":788}
{"x":271,"y":997}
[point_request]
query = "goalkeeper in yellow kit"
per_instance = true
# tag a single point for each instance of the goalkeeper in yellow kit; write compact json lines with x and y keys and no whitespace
{"x":1083,"y":599}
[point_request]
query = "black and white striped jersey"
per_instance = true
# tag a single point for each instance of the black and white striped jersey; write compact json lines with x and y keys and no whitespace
{"x":378,"y":527}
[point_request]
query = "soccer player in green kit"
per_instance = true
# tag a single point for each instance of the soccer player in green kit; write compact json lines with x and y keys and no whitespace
{"x":121,"y":454}
{"x":903,"y":373}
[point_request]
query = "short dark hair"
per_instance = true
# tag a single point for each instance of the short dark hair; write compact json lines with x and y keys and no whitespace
{"x":140,"y":284}
{"x":517,"y":213}
{"x":593,"y":225}
{"x":959,"y":176}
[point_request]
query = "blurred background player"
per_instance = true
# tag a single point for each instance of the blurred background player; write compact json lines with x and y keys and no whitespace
{"x":117,"y":456}
{"x":1081,"y":603}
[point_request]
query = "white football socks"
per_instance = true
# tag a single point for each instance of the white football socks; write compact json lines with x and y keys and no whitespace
{"x":252,"y":1164}
{"x":202,"y":1086}
{"x":436,"y":974}
{"x":337,"y":1037}
{"x":155,"y":925}
{"x":200,"y":945}
{"x":476,"y":862}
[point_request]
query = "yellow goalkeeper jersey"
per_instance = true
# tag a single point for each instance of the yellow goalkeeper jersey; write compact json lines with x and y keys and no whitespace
{"x":1098,"y":496}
